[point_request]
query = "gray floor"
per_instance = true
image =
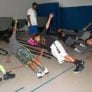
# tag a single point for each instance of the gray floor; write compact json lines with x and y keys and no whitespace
{"x":61,"y":78}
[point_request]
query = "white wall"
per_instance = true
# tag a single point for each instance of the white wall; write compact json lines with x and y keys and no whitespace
{"x":14,"y":8}
{"x":19,"y":8}
{"x":70,"y":3}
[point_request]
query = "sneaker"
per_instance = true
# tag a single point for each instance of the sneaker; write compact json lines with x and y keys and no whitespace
{"x":8,"y":75}
{"x":82,"y":45}
{"x":61,"y":62}
{"x":45,"y":71}
{"x":82,"y":62}
{"x":39,"y":75}
{"x":79,"y":68}
{"x":77,"y":50}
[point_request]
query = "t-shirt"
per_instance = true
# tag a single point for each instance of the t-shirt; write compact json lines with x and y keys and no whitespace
{"x":13,"y":45}
{"x":48,"y":40}
{"x":33,"y":17}
{"x":32,"y":42}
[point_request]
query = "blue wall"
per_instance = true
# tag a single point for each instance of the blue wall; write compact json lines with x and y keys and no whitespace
{"x":67,"y":17}
{"x":75,"y":17}
{"x":45,"y":9}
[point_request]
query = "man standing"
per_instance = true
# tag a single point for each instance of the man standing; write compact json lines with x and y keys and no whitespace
{"x":32,"y":19}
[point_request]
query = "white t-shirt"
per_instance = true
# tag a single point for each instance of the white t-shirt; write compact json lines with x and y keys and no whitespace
{"x":33,"y":17}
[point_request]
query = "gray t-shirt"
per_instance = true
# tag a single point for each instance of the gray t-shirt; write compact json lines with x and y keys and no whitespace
{"x":14,"y":45}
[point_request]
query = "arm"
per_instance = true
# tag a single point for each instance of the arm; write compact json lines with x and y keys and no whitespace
{"x":87,"y":26}
{"x":28,"y":19}
{"x":49,"y":21}
{"x":40,"y":56}
{"x":13,"y":35}
{"x":15,"y":25}
{"x":43,"y":47}
{"x":47,"y":24}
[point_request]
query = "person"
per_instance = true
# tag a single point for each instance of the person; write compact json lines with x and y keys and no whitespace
{"x":24,"y":54}
{"x":88,"y":41}
{"x":6,"y":75}
{"x":32,"y":19}
{"x":72,"y":40}
{"x":62,"y":35}
{"x":56,"y":48}
{"x":78,"y":38}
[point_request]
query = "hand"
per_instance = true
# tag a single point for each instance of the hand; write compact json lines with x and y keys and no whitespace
{"x":15,"y":19}
{"x":51,"y":15}
{"x":59,"y":30}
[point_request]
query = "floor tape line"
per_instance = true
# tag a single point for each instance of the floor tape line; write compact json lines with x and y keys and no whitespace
{"x":51,"y":79}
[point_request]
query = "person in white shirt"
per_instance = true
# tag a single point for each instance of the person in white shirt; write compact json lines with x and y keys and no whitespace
{"x":32,"y":19}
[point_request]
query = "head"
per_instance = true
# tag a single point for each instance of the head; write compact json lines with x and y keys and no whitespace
{"x":89,"y":42}
{"x":59,"y":30}
{"x":34,"y":5}
{"x":38,"y":38}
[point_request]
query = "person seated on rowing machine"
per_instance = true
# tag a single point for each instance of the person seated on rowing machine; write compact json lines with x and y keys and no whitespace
{"x":24,"y":54}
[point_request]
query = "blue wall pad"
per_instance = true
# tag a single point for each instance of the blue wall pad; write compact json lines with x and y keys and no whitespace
{"x":75,"y":17}
{"x":45,"y":9}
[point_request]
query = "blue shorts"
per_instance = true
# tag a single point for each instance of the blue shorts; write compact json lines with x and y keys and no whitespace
{"x":33,"y":30}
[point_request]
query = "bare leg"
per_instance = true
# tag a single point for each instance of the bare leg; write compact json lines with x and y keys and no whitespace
{"x":69,"y":59}
{"x":38,"y":63}
{"x":32,"y":66}
{"x":79,"y":64}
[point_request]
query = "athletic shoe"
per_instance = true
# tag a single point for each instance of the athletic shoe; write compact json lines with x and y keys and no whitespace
{"x":39,"y":75}
{"x":45,"y":71}
{"x":82,"y":45}
{"x":77,"y":50}
{"x":82,"y":62}
{"x":61,"y":62}
{"x":8,"y":76}
{"x":79,"y":68}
